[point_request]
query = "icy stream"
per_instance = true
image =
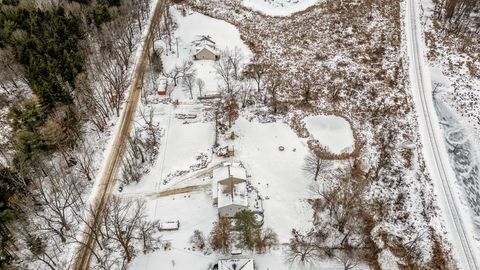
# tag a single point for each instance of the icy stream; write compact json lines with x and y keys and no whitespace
{"x":462,"y":156}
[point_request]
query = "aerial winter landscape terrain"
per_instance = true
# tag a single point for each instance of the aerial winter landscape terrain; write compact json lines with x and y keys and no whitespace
{"x":239,"y":134}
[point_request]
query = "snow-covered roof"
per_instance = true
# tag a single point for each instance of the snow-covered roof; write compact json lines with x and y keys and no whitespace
{"x":169,"y":225}
{"x":232,"y":193}
{"x":236,"y":264}
{"x":205,"y":42}
{"x":227,"y":171}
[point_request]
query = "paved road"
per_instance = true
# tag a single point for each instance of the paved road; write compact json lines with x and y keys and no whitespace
{"x":438,"y":165}
{"x":115,"y":156}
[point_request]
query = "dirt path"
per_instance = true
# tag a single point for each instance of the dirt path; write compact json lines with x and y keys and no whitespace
{"x":108,"y":178}
{"x":181,"y":190}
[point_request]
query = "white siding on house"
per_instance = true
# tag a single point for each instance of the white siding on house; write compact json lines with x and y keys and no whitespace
{"x":231,"y":210}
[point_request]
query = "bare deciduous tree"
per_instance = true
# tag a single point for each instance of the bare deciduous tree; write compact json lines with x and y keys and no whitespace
{"x":179,"y":71}
{"x":257,"y":71}
{"x":60,"y":195}
{"x":265,"y":240}
{"x":302,"y":249}
{"x":201,"y":86}
{"x":227,"y":67}
{"x":125,"y":225}
{"x":198,"y":240}
{"x":314,"y":165}
{"x":188,"y":81}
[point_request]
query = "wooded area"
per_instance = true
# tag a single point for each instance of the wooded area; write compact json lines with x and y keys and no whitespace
{"x":63,"y":66}
{"x":459,"y":15}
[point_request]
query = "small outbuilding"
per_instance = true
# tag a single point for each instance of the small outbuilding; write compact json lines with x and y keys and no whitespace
{"x":169,"y":226}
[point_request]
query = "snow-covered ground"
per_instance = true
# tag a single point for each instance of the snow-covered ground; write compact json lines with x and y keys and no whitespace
{"x":333,"y":131}
{"x":279,"y":7}
{"x":186,"y":148}
{"x":457,"y":221}
{"x":225,"y":36}
{"x":277,"y":175}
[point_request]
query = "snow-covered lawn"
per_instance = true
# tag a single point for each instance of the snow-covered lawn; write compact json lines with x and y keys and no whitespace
{"x":276,"y":174}
{"x":331,"y":131}
{"x":278,"y":7}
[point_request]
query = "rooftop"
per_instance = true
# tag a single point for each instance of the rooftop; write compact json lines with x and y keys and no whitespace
{"x":204,"y":42}
{"x":236,"y":264}
{"x":227,"y":171}
{"x":232,"y":193}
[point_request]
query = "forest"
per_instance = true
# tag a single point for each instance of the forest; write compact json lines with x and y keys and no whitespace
{"x":45,"y":53}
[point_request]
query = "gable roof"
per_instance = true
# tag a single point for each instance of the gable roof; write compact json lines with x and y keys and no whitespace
{"x":204,"y":42}
{"x":232,"y":194}
{"x":227,"y":171}
{"x":236,"y":264}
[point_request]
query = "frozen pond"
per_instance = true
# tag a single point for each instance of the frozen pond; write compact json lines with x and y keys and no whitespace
{"x":333,"y":132}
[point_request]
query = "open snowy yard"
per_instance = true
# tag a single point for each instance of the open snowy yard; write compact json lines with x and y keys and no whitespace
{"x":276,"y":174}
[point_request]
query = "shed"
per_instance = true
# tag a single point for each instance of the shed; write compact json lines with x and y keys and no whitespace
{"x":169,"y":226}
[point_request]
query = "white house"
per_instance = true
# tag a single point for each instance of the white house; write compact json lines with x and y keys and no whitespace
{"x":205,"y":49}
{"x":236,"y":264}
{"x":229,"y":189}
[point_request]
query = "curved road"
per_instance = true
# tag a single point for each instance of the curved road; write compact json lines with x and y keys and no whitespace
{"x":433,"y":143}
{"x":109,"y":172}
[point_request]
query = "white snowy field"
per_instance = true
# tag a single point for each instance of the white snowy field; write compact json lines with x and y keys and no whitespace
{"x":279,"y":7}
{"x":331,"y":131}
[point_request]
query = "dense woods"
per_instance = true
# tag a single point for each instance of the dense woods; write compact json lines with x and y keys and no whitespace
{"x":459,"y":15}
{"x":55,"y":79}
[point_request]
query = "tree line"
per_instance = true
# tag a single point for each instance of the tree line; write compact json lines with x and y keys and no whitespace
{"x":63,"y":66}
{"x":457,"y":15}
